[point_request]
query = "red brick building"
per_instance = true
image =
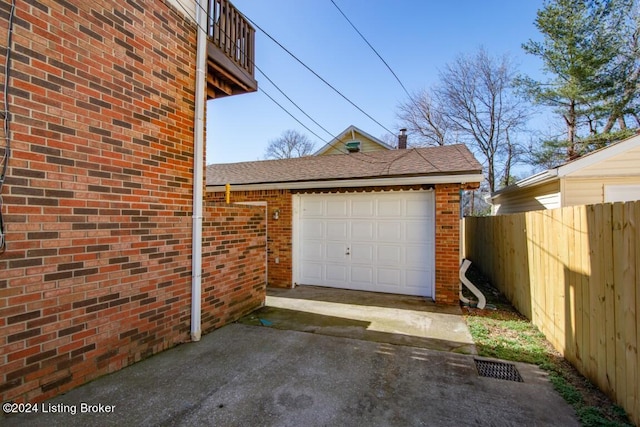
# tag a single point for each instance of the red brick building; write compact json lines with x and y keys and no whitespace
{"x":383,"y":220}
{"x":99,"y":198}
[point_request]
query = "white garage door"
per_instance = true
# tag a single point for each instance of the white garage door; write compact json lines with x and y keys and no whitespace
{"x":382,"y":242}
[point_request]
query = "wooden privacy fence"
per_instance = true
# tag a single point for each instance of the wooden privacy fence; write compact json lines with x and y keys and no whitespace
{"x":575,"y":273}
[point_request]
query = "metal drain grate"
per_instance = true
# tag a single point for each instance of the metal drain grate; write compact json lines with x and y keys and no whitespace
{"x":499,"y":370}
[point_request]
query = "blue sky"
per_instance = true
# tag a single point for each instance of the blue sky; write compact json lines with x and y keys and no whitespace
{"x":416,"y":38}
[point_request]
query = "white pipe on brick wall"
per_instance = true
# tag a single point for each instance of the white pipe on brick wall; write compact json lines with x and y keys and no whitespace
{"x":198,"y":169}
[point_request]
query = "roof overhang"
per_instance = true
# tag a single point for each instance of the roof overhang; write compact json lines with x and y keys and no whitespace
{"x":600,"y":155}
{"x":573,"y":166}
{"x":531,"y":181}
{"x":360,"y":182}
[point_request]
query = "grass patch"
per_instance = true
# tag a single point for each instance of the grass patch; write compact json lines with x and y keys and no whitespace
{"x":502,"y":333}
{"x":508,"y":339}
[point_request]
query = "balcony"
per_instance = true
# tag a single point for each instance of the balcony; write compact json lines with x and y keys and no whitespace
{"x":231,"y":51}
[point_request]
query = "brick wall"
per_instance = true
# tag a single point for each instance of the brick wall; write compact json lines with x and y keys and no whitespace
{"x":447,"y":233}
{"x":98,"y":197}
{"x":234,"y":262}
{"x":447,"y":236}
{"x":279,"y":245}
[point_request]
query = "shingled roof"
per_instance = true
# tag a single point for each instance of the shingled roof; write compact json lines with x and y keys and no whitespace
{"x":429,"y":161}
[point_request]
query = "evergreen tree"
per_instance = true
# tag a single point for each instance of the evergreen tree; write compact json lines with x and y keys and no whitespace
{"x":590,"y":52}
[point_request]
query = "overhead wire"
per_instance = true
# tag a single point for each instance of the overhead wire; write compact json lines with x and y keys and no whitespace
{"x":316,"y":74}
{"x":372,"y":48}
{"x":6,"y":122}
{"x":235,"y":46}
{"x":386,"y":64}
{"x":392,"y":72}
{"x":292,"y":116}
{"x":389,"y":68}
{"x":291,"y":101}
{"x":279,"y":90}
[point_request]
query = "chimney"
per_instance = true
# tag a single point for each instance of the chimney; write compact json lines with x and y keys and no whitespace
{"x":402,"y":139}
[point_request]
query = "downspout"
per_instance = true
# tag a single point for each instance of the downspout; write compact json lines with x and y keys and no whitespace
{"x":198,"y":167}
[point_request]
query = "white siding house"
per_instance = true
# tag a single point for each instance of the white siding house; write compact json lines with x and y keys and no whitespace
{"x":611,"y":174}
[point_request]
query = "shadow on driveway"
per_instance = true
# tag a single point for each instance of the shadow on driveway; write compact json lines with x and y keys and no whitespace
{"x":246,"y":375}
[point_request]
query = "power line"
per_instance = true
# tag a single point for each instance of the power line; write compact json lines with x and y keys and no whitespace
{"x":372,"y":48}
{"x":292,"y":116}
{"x":235,"y":46}
{"x":290,"y":100}
{"x":316,"y":74}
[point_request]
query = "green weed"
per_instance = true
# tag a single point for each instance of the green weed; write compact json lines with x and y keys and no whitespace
{"x":505,"y":335}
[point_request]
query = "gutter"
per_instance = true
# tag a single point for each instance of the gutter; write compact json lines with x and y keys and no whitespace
{"x":198,"y":172}
{"x":362,"y":182}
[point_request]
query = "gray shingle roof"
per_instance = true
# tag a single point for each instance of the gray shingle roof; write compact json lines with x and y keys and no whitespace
{"x":446,"y":160}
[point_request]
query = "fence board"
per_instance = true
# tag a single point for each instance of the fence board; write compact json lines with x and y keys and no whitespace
{"x":558,"y":250}
{"x":571,"y":271}
{"x":636,"y":216}
{"x":629,"y":319}
{"x":609,"y":299}
{"x":575,"y":272}
{"x":598,"y":311}
{"x":585,"y":273}
{"x":619,"y":361}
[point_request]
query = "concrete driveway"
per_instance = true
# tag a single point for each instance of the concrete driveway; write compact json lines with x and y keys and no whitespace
{"x":247,"y":374}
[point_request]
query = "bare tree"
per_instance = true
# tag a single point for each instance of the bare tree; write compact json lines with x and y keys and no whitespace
{"x":424,"y":119}
{"x":290,"y":144}
{"x":476,"y":93}
{"x":473,"y":103}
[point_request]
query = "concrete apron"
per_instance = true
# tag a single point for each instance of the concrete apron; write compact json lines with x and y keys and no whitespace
{"x":370,"y":316}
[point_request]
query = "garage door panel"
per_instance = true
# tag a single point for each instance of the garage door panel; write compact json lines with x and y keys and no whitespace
{"x":389,"y":208}
{"x":363,"y":208}
{"x":337,"y":208}
{"x":363,"y":275}
{"x":416,"y":278}
{"x":390,"y":231}
{"x":361,"y":253}
{"x":312,"y":249}
{"x":311,"y":208}
{"x":362,"y":230}
{"x":380,"y":242}
{"x":336,"y":251}
{"x":416,"y":231}
{"x":337,"y":230}
{"x":313,"y":229}
{"x":336,"y":274}
{"x":388,"y":254}
{"x":415,"y":256}
{"x":389,"y":277}
{"x":419,"y":209}
{"x":311,"y":272}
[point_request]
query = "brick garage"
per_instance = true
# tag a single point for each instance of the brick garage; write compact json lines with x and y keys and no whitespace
{"x":98,"y":197}
{"x":442,"y":170}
